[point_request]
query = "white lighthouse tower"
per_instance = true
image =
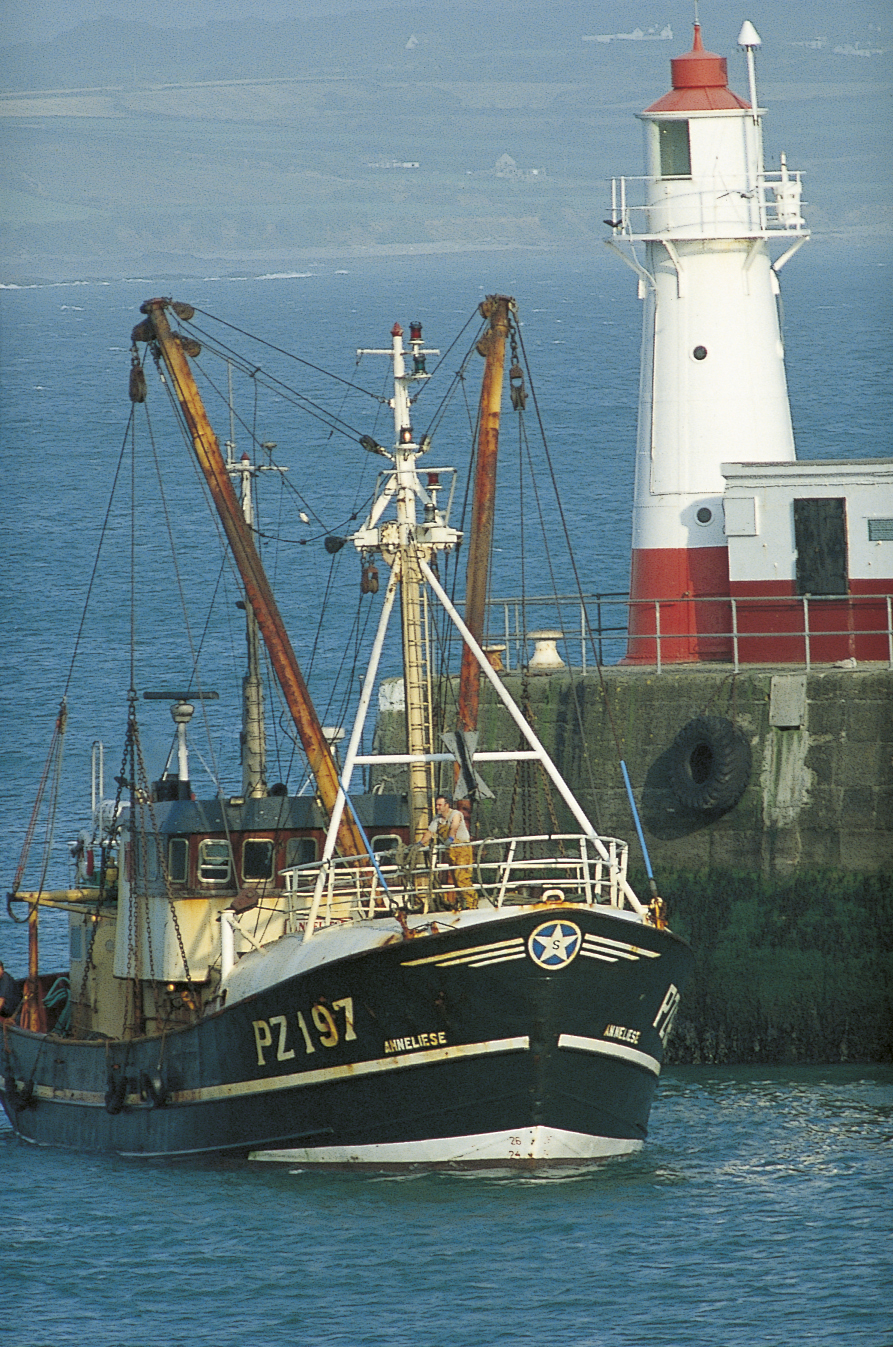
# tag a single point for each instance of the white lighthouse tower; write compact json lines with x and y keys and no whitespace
{"x":697,"y":229}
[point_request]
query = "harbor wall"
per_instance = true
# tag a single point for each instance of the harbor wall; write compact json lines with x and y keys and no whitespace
{"x":787,"y":896}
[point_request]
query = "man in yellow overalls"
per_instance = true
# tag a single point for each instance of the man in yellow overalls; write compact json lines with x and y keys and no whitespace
{"x":449,"y":827}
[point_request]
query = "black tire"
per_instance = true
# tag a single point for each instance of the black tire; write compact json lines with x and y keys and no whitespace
{"x":711,"y":764}
{"x":116,"y":1093}
{"x":152,"y":1088}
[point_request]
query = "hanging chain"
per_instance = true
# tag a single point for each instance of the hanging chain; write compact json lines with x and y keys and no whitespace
{"x":517,"y":390}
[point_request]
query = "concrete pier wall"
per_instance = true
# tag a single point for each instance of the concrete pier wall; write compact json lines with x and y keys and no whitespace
{"x":820,"y":793}
{"x":787,"y":896}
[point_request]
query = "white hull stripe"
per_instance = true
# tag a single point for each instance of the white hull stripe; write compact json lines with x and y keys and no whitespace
{"x":500,"y":950}
{"x":609,"y":951}
{"x":301,"y":1079}
{"x":521,"y":1148}
{"x":602,"y":1047}
{"x":503,"y":951}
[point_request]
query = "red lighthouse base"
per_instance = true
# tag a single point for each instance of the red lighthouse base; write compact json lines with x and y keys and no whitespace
{"x":679,"y":601}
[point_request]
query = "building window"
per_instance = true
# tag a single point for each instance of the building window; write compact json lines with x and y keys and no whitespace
{"x":675,"y":152}
{"x":215,"y":862}
{"x":257,"y":858}
{"x":178,"y":860}
{"x":880,"y":530}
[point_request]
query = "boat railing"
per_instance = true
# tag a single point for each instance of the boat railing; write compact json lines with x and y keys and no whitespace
{"x":547,"y":867}
{"x":797,"y":630}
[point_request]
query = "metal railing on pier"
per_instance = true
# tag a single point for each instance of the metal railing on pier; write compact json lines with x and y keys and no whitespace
{"x":607,"y":627}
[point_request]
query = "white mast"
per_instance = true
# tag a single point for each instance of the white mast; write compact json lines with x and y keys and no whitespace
{"x":400,"y":542}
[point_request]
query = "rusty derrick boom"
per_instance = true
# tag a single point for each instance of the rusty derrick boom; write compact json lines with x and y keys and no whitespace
{"x":257,"y":587}
{"x":492,"y":348}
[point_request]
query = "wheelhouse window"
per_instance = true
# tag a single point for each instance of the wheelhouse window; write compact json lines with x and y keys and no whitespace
{"x":257,"y":858}
{"x":675,"y":150}
{"x":385,"y":843}
{"x":300,"y":851}
{"x":144,"y":859}
{"x":178,"y":860}
{"x":215,"y":861}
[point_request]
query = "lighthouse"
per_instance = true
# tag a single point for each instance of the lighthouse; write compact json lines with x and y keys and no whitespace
{"x":707,"y":231}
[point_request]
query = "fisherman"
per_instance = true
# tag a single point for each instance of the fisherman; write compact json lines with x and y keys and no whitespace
{"x":10,"y":994}
{"x":449,"y":827}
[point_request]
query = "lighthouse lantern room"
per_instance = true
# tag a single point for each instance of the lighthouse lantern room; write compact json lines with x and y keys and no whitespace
{"x":706,"y":230}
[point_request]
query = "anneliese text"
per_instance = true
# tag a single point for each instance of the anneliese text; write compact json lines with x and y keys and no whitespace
{"x":413,"y":1044}
{"x":624,"y":1035}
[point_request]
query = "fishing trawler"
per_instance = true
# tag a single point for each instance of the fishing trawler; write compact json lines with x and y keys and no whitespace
{"x":320,"y":980}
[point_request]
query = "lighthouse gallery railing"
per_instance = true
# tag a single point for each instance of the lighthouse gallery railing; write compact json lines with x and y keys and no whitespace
{"x":715,"y":203}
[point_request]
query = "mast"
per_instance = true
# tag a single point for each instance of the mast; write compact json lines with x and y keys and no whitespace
{"x":403,"y":542}
{"x":492,"y":347}
{"x":257,"y":587}
{"x":254,"y":741}
{"x":418,"y":729}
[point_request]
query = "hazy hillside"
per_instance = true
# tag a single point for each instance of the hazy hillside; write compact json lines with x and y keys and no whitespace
{"x":268,"y":138}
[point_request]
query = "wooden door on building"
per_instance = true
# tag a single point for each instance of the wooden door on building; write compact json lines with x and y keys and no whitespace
{"x":821,"y":541}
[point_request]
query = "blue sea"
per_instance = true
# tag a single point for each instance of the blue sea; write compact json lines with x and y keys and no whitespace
{"x":760,"y":1210}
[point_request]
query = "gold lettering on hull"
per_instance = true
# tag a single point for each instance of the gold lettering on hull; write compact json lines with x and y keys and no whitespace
{"x":622,"y":1034}
{"x":415,"y":1043}
{"x":333,"y":1023}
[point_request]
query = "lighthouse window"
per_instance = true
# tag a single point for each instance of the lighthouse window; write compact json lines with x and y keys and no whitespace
{"x":880,"y":530}
{"x":214,"y":862}
{"x":700,"y":353}
{"x":257,"y":858}
{"x":675,"y":154}
{"x":704,"y":515}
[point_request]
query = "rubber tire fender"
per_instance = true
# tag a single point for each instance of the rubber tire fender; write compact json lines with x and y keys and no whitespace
{"x":152,"y":1088}
{"x":711,"y":764}
{"x":116,"y":1092}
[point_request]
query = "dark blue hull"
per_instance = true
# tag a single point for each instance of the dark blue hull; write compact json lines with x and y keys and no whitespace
{"x":497,"y":1038}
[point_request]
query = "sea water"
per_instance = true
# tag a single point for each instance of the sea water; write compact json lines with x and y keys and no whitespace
{"x":759,"y":1210}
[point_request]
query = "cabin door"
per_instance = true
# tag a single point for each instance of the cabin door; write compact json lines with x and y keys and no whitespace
{"x":821,"y":543}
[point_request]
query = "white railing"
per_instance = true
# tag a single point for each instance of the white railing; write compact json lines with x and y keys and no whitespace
{"x":597,"y":627}
{"x":742,"y":205}
{"x":504,"y":871}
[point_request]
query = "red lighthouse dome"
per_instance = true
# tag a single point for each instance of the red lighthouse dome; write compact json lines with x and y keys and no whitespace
{"x":700,"y":82}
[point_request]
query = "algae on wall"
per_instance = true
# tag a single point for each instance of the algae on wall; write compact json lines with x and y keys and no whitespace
{"x":795,"y":971}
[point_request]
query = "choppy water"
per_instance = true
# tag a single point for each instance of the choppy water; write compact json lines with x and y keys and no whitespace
{"x":759,"y":1212}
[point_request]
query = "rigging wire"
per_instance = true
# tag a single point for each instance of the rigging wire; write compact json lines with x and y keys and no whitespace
{"x":573,"y":561}
{"x":279,"y":386}
{"x":53,"y":765}
{"x":308,"y":364}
